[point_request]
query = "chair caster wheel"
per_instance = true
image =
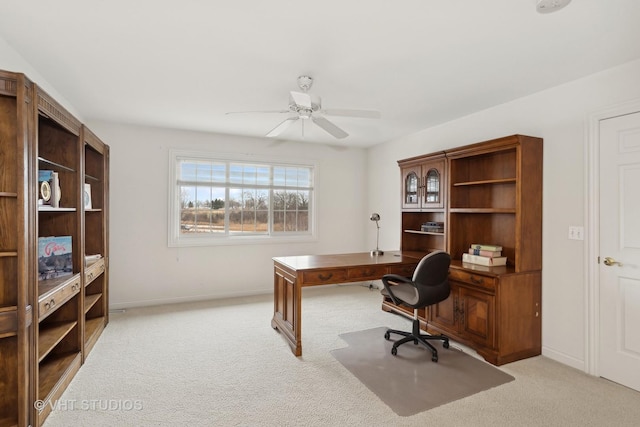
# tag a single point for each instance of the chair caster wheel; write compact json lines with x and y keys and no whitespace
{"x":394,"y":351}
{"x":415,"y":342}
{"x":434,"y":359}
{"x":445,"y":344}
{"x":387,"y":335}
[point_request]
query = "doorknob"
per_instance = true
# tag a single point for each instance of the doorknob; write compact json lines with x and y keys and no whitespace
{"x":610,"y":261}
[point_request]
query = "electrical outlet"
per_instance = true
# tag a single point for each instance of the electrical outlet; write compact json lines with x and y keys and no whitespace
{"x":576,"y":233}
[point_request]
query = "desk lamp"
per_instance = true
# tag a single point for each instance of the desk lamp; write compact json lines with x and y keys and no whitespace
{"x":376,"y":217}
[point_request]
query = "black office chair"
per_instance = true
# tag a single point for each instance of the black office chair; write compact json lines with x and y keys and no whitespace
{"x":429,"y":285}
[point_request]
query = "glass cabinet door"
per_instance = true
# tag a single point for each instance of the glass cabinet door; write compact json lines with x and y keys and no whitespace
{"x":411,"y":187}
{"x":432,"y":186}
{"x":433,"y":181}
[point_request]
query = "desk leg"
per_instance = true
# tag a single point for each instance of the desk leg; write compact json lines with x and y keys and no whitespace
{"x":287,"y":299}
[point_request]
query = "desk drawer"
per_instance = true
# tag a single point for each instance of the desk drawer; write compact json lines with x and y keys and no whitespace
{"x":93,"y":271}
{"x":473,"y":278}
{"x":403,"y":270}
{"x":371,"y":272}
{"x":50,"y":302}
{"x":324,"y":277}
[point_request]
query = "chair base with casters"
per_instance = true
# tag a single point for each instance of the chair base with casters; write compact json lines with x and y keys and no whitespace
{"x":428,"y":286}
{"x":417,"y":337}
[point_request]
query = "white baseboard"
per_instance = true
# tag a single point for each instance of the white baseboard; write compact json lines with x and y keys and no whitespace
{"x":563,"y":358}
{"x":192,"y":298}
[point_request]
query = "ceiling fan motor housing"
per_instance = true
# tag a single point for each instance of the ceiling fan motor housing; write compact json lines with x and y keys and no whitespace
{"x":305,"y":82}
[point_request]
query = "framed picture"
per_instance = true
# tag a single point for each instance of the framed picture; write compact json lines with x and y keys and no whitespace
{"x":87,"y":196}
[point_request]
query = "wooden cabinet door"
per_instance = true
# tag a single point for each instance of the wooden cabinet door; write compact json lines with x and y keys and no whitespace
{"x":411,"y":187}
{"x":477,"y":316}
{"x":443,"y":314}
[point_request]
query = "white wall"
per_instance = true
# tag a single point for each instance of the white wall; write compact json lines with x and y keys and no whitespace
{"x":559,"y":116}
{"x":144,"y":270}
{"x":10,"y":60}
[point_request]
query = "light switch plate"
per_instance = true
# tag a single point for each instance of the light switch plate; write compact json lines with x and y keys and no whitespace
{"x":576,"y":232}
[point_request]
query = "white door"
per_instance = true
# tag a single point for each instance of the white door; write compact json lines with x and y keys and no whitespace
{"x":619,"y":252}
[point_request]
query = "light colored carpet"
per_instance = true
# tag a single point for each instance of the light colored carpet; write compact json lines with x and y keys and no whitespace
{"x":410,"y":382}
{"x":219,"y":363}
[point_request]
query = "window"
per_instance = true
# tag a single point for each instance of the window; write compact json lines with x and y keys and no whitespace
{"x":223,"y":201}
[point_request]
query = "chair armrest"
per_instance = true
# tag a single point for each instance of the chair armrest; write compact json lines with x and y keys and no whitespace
{"x":394,"y":278}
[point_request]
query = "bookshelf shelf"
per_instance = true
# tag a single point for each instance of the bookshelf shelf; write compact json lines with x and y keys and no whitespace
{"x":90,"y":300}
{"x":53,"y":369}
{"x":51,"y":335}
{"x":430,"y":233}
{"x":483,"y":210}
{"x":44,"y":163}
{"x":485,"y":182}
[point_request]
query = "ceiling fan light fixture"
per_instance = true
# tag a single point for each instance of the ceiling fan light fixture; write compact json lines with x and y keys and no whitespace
{"x":305,"y":113}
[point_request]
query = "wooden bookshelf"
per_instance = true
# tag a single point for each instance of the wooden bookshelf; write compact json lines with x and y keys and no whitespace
{"x":43,"y":322}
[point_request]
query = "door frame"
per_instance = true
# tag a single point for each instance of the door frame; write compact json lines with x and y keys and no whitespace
{"x":592,"y":201}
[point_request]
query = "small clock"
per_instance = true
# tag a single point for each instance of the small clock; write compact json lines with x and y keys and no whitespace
{"x":45,"y":191}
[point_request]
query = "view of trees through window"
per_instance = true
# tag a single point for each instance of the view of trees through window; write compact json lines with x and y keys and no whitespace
{"x":227,"y":198}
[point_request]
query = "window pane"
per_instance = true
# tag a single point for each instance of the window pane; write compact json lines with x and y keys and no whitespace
{"x":292,"y":177}
{"x":235,"y":198}
{"x":304,"y":177}
{"x":290,"y":221}
{"x":303,"y":221}
{"x":278,"y":199}
{"x":278,"y":220}
{"x":206,"y":220}
{"x":303,"y":200}
{"x":187,"y":170}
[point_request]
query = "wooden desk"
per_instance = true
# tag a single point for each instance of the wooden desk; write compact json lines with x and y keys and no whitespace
{"x":292,"y":273}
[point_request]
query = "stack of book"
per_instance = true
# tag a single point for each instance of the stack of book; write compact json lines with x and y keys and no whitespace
{"x":432,"y":227}
{"x":482,"y":254}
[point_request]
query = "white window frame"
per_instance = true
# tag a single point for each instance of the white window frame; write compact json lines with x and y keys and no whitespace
{"x":176,"y":239}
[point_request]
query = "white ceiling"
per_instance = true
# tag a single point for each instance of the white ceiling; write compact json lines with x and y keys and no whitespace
{"x":183,"y":64}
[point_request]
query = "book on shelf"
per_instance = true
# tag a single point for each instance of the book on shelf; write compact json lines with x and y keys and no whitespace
{"x":432,"y":227}
{"x":482,"y":260}
{"x":490,"y":254}
{"x":486,"y":247}
{"x":54,"y":257}
{"x":91,"y":259}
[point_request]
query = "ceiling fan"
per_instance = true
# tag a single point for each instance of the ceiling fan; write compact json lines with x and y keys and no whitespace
{"x":309,"y":106}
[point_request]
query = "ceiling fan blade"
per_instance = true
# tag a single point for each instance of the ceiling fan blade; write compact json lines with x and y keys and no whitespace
{"x":268,"y":111}
{"x":302,"y":99}
{"x":281,"y":127}
{"x":329,"y":127}
{"x":366,"y":114}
